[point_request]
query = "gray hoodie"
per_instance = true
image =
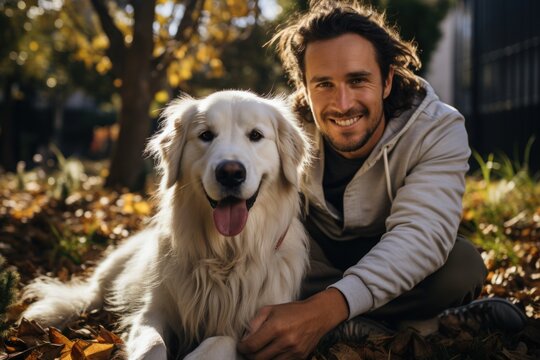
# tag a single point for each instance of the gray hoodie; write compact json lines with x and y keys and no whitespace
{"x":410,"y":189}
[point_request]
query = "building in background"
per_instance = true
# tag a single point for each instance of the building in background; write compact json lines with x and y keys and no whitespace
{"x":488,"y":66}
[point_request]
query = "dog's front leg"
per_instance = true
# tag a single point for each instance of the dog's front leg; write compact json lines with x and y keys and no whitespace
{"x":145,"y":340}
{"x":215,"y":348}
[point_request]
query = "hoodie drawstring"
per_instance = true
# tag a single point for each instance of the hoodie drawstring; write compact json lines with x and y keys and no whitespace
{"x":387,"y":173}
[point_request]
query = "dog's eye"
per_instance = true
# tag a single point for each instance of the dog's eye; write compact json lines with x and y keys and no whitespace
{"x":255,"y":135}
{"x":207,"y":136}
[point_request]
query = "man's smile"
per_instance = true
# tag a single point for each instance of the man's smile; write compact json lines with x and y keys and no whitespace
{"x":346,"y":122}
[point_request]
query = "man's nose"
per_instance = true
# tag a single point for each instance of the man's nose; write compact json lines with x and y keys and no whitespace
{"x":344,"y":99}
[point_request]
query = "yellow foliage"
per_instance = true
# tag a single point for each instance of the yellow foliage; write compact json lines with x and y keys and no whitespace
{"x":209,"y":5}
{"x":100,"y":42}
{"x":158,"y":49}
{"x":174,"y":79}
{"x":161,"y":19}
{"x":204,"y":53}
{"x":104,"y":65}
{"x":162,"y":96}
{"x":216,"y":32}
{"x":217,"y":68}
{"x":76,"y":29}
{"x":180,"y":52}
{"x":34,"y":46}
{"x":238,"y":8}
{"x":185,"y":70}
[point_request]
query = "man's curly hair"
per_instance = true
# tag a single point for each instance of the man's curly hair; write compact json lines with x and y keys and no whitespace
{"x":327,"y":19}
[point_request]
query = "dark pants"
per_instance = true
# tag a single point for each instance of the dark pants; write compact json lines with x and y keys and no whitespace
{"x":457,"y":282}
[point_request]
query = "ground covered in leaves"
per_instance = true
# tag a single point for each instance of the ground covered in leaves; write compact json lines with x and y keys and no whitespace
{"x":60,"y":223}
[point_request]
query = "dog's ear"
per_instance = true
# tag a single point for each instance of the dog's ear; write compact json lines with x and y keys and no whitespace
{"x":293,"y":144}
{"x":168,"y":143}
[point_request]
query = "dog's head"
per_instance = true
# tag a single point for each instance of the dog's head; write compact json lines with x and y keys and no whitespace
{"x":229,"y":145}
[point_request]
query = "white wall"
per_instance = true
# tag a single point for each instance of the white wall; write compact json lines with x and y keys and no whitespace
{"x":440,"y":70}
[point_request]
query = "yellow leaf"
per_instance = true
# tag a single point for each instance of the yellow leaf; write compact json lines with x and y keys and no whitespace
{"x":174,"y":79}
{"x":238,"y":8}
{"x":77,"y":352}
{"x":34,"y":46}
{"x":56,"y":337}
{"x":186,"y":68}
{"x":162,"y":20}
{"x":105,"y":336}
{"x":142,"y":208}
{"x":203,"y":54}
{"x":181,"y":51}
{"x":162,"y":96}
{"x":103,"y":65}
{"x":98,"y":351}
{"x":100,"y":42}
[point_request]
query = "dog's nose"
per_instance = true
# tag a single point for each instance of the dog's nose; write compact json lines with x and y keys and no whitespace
{"x":230,"y":173}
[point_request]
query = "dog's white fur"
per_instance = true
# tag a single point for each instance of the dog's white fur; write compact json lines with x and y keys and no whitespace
{"x":180,"y":281}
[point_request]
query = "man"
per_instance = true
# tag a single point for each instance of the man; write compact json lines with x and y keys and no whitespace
{"x":383,"y":195}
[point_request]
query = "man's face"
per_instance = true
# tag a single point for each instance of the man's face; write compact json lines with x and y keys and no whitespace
{"x":346,"y":91}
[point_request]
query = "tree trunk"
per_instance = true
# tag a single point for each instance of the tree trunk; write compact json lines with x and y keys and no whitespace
{"x":8,"y":157}
{"x":127,"y":163}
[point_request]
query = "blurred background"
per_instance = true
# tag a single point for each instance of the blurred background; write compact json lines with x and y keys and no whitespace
{"x":82,"y":83}
{"x":87,"y":78}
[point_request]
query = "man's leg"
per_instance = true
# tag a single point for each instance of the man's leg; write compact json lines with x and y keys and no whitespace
{"x":457,"y":282}
{"x":446,"y":291}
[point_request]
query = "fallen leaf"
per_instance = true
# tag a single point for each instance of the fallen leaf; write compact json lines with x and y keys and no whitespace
{"x":77,"y":351}
{"x":401,"y":342}
{"x":421,"y":348}
{"x":343,"y":352}
{"x":105,"y":336}
{"x":31,"y":333}
{"x":99,"y":351}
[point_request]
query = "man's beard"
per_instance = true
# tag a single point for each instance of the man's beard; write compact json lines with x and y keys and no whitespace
{"x":358,"y":144}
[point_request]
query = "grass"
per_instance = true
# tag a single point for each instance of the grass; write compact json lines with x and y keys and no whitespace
{"x":501,"y":204}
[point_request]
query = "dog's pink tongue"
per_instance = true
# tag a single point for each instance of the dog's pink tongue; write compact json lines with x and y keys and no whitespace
{"x":230,"y":217}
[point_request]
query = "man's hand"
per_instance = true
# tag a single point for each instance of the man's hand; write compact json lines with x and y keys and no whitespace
{"x":292,"y":330}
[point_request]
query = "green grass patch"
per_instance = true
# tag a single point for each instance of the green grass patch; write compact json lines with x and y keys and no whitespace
{"x":501,"y":204}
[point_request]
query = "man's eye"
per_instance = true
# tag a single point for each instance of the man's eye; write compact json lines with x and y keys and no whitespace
{"x":324,"y":84}
{"x":255,"y":135}
{"x":207,"y":136}
{"x":357,"y":81}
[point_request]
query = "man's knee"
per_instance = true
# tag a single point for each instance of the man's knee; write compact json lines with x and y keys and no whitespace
{"x":460,"y":279}
{"x":457,"y":282}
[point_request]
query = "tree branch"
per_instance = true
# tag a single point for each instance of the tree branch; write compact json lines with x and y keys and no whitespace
{"x":117,"y":47}
{"x":186,"y":28}
{"x":143,"y":33}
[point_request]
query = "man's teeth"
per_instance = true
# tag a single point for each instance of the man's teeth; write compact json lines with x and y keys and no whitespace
{"x":347,"y":122}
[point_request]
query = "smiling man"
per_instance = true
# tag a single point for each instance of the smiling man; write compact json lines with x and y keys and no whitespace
{"x":383,"y":194}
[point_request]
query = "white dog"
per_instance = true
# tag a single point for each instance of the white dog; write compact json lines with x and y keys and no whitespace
{"x":225,"y":241}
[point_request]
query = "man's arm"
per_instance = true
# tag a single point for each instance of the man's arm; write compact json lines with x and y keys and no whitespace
{"x":292,"y":330}
{"x":423,"y":222}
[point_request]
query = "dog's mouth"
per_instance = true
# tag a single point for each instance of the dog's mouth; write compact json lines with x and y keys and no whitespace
{"x":231,"y":213}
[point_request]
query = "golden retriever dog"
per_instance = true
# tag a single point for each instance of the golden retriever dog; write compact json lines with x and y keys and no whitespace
{"x":226,"y":239}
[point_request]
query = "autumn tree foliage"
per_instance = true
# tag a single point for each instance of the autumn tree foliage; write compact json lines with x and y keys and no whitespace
{"x":148,"y":45}
{"x":143,"y":47}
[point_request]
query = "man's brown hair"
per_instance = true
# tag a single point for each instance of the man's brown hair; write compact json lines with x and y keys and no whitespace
{"x":327,"y":19}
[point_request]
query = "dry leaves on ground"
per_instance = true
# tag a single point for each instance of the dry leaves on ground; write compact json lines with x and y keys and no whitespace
{"x":63,"y":237}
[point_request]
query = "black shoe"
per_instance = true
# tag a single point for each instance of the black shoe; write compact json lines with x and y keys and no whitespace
{"x":491,"y":313}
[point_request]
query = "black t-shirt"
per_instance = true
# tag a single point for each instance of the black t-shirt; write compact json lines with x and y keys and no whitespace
{"x":338,"y":172}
